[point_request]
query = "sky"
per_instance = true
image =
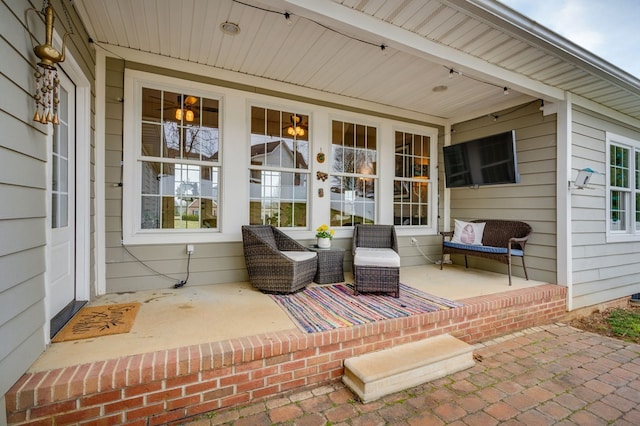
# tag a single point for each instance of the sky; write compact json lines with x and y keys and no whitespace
{"x":609,"y":29}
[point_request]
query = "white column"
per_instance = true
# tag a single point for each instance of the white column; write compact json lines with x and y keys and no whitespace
{"x":100,"y":233}
{"x":564,"y":253}
{"x":446,"y":198}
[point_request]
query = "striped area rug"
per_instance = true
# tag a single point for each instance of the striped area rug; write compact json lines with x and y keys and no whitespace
{"x":335,"y":306}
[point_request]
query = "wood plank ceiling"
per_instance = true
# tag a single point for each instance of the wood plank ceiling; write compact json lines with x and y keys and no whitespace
{"x":320,"y":52}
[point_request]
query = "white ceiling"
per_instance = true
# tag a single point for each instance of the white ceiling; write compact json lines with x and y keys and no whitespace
{"x":333,"y":46}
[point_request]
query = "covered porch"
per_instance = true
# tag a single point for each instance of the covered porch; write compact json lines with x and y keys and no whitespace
{"x":202,"y":348}
{"x":440,"y":72}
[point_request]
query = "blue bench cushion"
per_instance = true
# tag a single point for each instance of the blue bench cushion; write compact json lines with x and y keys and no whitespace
{"x":483,"y":249}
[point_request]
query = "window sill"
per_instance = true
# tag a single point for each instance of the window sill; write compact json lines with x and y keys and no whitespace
{"x":177,"y":237}
{"x":622,"y":238}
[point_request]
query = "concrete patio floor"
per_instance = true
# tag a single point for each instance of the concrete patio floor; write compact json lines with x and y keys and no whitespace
{"x":197,"y":349}
{"x":182,"y":317}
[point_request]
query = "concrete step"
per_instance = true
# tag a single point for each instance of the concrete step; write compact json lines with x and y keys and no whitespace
{"x":376,"y":374}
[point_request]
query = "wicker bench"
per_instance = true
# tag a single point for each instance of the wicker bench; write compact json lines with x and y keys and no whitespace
{"x":501,"y":240}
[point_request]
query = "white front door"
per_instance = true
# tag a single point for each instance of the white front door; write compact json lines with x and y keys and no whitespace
{"x":61,"y":281}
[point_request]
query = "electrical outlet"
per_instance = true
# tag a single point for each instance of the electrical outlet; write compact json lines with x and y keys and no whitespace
{"x":414,"y":241}
{"x":189,"y":248}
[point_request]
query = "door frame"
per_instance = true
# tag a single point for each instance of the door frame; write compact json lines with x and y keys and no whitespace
{"x":82,"y":146}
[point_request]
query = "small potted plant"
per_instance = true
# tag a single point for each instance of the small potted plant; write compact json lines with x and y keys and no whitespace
{"x":324,"y":234}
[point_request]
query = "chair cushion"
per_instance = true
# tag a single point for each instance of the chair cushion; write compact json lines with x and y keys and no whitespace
{"x":299,"y":256}
{"x":483,"y":249}
{"x":383,"y":257}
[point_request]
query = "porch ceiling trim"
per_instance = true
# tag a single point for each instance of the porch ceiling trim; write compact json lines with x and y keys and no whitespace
{"x":525,"y":28}
{"x":204,"y":73}
{"x":347,"y":19}
{"x":535,"y":51}
{"x":492,"y":45}
{"x":601,"y":109}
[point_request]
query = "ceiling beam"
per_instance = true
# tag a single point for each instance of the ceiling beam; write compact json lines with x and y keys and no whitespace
{"x":350,"y":21}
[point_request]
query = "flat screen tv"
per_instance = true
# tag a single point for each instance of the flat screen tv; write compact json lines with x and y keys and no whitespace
{"x":485,"y":161}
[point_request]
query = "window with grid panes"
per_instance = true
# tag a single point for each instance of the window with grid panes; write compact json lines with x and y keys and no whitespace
{"x":623,"y":186}
{"x":179,"y":161}
{"x":353,"y":174}
{"x":279,"y":168}
{"x":412,"y":184}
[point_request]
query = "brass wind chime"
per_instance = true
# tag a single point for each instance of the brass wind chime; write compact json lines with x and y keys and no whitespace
{"x":46,"y":74}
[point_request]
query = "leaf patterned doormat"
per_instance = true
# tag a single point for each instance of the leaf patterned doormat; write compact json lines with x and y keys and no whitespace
{"x":96,"y":321}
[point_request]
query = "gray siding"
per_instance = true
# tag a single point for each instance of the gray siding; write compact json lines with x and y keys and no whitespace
{"x":23,"y":156}
{"x":532,"y":200}
{"x":601,"y":271}
{"x":23,"y":182}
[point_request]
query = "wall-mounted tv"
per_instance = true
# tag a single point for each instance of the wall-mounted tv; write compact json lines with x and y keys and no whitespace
{"x":485,"y":161}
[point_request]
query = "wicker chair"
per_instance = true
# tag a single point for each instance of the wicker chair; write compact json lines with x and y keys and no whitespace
{"x":275,"y":262}
{"x":376,"y":263}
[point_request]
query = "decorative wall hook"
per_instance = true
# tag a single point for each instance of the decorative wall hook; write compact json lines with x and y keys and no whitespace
{"x":46,"y":75}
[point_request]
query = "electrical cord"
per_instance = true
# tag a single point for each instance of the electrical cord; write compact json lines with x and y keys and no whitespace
{"x":180,"y":283}
{"x":287,"y":16}
{"x":424,"y":255}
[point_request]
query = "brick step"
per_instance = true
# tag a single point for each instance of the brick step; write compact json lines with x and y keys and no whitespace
{"x":376,"y":374}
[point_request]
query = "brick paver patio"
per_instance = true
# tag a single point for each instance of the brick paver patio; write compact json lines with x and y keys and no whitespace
{"x":547,"y":375}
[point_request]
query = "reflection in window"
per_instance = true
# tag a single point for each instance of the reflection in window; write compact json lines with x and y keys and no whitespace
{"x":412,"y":181}
{"x":279,"y":168}
{"x":353,"y":173}
{"x":179,"y":159}
{"x":179,"y":196}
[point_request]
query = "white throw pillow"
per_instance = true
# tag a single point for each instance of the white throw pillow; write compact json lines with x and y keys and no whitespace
{"x":468,"y":232}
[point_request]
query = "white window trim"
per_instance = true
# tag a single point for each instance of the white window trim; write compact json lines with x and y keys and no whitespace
{"x":432,"y":228}
{"x":235,"y":125}
{"x":132,"y":233}
{"x":630,"y":234}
